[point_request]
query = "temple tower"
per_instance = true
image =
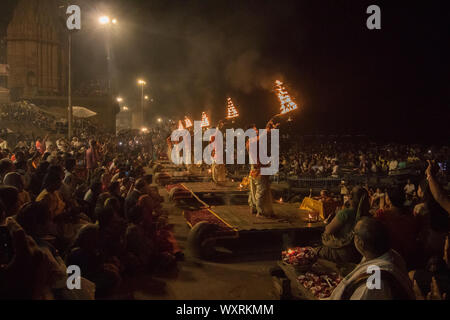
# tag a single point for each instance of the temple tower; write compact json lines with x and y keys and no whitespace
{"x":37,"y":50}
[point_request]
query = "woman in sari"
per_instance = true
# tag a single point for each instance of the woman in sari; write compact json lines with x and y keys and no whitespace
{"x":337,"y":239}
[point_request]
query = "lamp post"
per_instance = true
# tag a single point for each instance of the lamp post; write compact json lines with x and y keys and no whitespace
{"x":108,"y":23}
{"x":142,"y":83}
{"x":69,"y":90}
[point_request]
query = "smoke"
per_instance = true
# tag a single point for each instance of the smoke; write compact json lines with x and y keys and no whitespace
{"x":194,"y":55}
{"x":246,"y":73}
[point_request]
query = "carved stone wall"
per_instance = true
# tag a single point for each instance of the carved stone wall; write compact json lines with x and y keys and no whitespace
{"x":37,"y":50}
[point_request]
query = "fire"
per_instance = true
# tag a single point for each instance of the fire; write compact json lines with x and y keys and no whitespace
{"x":281,"y":199}
{"x":205,"y":120}
{"x":290,"y":251}
{"x":240,"y":185}
{"x":180,"y":125}
{"x":287,"y":105}
{"x":231,"y":109}
{"x":187,"y":122}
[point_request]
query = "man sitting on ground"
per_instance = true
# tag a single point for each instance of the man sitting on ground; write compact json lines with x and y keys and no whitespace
{"x":372,"y":241}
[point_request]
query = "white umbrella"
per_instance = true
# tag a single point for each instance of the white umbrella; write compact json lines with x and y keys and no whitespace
{"x":82,"y":112}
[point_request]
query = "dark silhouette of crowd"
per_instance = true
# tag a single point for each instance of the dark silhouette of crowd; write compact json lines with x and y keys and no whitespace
{"x":89,"y":202}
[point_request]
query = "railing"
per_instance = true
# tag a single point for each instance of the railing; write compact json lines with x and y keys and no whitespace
{"x":333,"y":183}
{"x":314,"y":183}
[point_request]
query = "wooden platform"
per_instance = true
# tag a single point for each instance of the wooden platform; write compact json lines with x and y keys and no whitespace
{"x":288,"y":217}
{"x":180,"y":173}
{"x":200,"y":188}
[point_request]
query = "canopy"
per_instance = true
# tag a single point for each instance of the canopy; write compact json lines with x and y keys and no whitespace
{"x":82,"y":112}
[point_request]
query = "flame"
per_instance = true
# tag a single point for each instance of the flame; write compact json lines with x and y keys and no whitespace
{"x":231,"y":109}
{"x":187,"y":122}
{"x":240,"y":185}
{"x":281,"y":199}
{"x":287,"y":105}
{"x":290,"y":251}
{"x":310,"y":216}
{"x":205,"y":120}
{"x":180,"y":125}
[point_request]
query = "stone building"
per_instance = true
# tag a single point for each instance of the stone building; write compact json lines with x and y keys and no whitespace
{"x":37,"y":50}
{"x":37,"y":56}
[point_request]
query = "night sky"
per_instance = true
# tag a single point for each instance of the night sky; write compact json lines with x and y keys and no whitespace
{"x":346,"y":79}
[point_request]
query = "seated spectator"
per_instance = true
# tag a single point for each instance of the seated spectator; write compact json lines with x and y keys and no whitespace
{"x":19,"y":281}
{"x":69,"y":179}
{"x":372,"y":241}
{"x":403,"y":229}
{"x":6,"y":166}
{"x":50,"y":194}
{"x":433,"y":219}
{"x":436,"y":268}
{"x":139,"y":188}
{"x":114,"y":191}
{"x":37,"y":178}
{"x":34,"y":218}
{"x":140,"y":248}
{"x":436,"y":190}
{"x":91,"y":197}
{"x":86,"y":254}
{"x":337,"y":238}
{"x":10,"y":199}
{"x":16,"y":180}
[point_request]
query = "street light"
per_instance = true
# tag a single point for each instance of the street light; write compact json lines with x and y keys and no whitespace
{"x":108,"y":23}
{"x":104,"y":20}
{"x":159,"y":119}
{"x":146,"y":97}
{"x":142,"y":83}
{"x":119,"y":99}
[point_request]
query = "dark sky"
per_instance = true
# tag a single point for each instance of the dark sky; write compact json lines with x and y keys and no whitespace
{"x":345,"y":78}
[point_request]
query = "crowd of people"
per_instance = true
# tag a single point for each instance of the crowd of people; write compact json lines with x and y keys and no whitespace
{"x":25,"y":113}
{"x":403,"y":230}
{"x":30,"y":116}
{"x":92,"y":202}
{"x":335,"y":159}
{"x":89,"y":203}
